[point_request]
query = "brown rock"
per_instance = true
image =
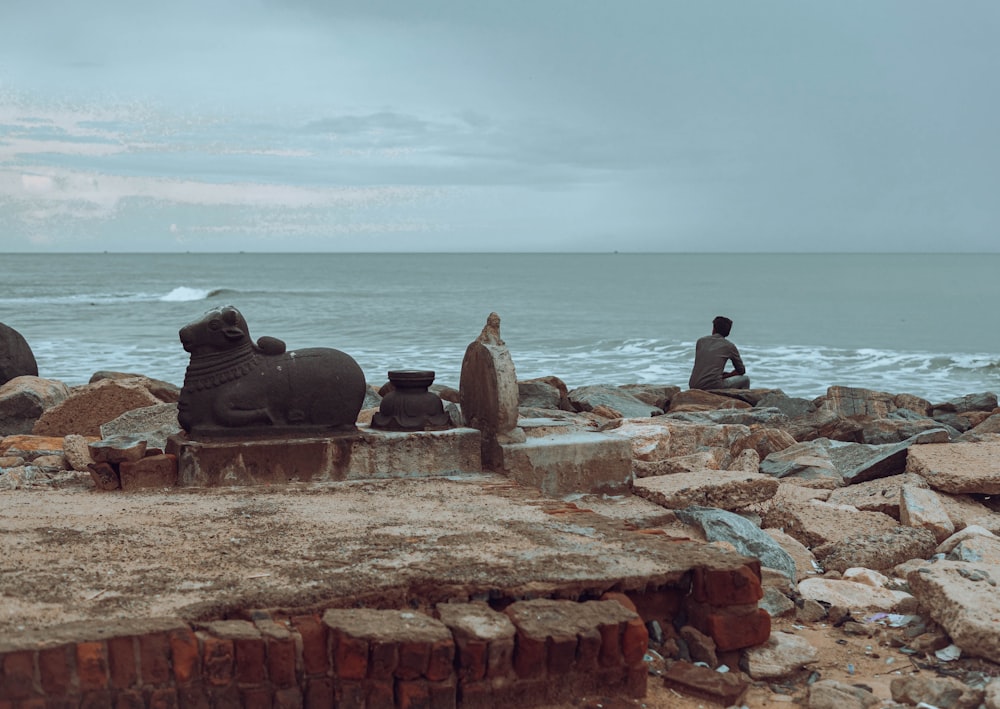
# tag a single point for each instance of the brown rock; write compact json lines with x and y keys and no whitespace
{"x":77,"y":452}
{"x":726,"y":688}
{"x":763,"y":440}
{"x":849,"y":402}
{"x":164,"y":391}
{"x":879,"y":495}
{"x":24,"y":399}
{"x":815,"y":523}
{"x":708,"y":488}
{"x":920,"y":507}
{"x":660,"y":438}
{"x":958,"y":467}
{"x":935,"y":691}
{"x":92,"y":405}
{"x":699,"y":400}
{"x":805,"y":562}
{"x":878,"y":551}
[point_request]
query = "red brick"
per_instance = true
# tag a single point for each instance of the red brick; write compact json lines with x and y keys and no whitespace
{"x":380,"y":694}
{"x":227,"y":697}
{"x":163,"y":698}
{"x":472,"y":659}
{"x":96,"y":700}
{"x":444,"y":695}
{"x":350,"y":657}
{"x":413,"y":659}
{"x":529,"y":656}
{"x":500,"y":658}
{"x":588,"y":650}
{"x":17,"y":675}
{"x":255,"y":698}
{"x":121,"y":662}
{"x":315,"y":653}
{"x":726,"y":587}
{"x":288,"y":698}
{"x":217,"y":660}
{"x":92,"y":665}
{"x":621,"y":598}
{"x":441,"y":664}
{"x":249,"y":660}
{"x":663,"y":604}
{"x":476,"y":695}
{"x":55,"y":667}
{"x":185,"y":655}
{"x":562,"y":654}
{"x":193,"y":696}
{"x":636,"y":680}
{"x":383,"y":659}
{"x":154,"y":658}
{"x":412,"y":694}
{"x":635,"y":640}
{"x":319,"y":693}
{"x":732,"y":632}
{"x":281,"y":660}
{"x":130,"y":699}
{"x":611,"y":648}
{"x":349,"y":694}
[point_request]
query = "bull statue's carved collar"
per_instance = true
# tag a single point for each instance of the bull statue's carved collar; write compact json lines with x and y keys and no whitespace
{"x":210,"y":370}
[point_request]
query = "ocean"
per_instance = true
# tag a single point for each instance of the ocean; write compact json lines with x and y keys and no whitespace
{"x":923,"y":324}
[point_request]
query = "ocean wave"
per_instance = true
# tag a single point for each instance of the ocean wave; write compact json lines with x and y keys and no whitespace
{"x":183,"y":294}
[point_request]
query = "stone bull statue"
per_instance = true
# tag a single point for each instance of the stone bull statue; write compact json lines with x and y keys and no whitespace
{"x":235,"y":387}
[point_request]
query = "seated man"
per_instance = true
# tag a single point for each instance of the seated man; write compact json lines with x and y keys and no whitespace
{"x":710,"y":356}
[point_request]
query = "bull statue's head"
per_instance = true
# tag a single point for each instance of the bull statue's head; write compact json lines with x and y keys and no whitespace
{"x":218,"y":330}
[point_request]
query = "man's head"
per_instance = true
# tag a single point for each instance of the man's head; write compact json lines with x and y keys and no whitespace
{"x":722,"y":325}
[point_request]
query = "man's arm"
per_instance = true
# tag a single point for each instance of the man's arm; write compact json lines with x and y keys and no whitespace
{"x":738,"y":368}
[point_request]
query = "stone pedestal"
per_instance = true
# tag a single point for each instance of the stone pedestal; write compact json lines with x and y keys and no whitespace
{"x":364,"y":454}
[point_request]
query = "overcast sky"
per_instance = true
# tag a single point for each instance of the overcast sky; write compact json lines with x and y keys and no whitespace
{"x":521,"y":125}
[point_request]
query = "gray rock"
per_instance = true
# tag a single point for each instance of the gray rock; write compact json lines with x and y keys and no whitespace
{"x":780,"y":656}
{"x":656,"y":394}
{"x":589,"y":397}
{"x":986,"y":401}
{"x":24,"y":399}
{"x":879,"y":495}
{"x":943,"y":692}
{"x":749,"y":540}
{"x":153,"y":423}
{"x":776,"y":603}
{"x":770,"y":417}
{"x":791,"y":407}
{"x":808,"y":460}
{"x":538,"y":394}
{"x":16,"y":357}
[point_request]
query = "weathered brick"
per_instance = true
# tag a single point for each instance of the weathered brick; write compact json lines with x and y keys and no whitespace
{"x":288,"y":698}
{"x":472,"y":659}
{"x":476,"y":695}
{"x":154,"y":658}
{"x":561,"y":654}
{"x":92,"y":665}
{"x":249,"y":659}
{"x":350,"y":657}
{"x":96,"y":699}
{"x":663,"y":604}
{"x":130,"y":699}
{"x":383,"y":659}
{"x":413,"y":694}
{"x":443,"y":695}
{"x":381,"y":694}
{"x":255,"y":698}
{"x":441,"y":664}
{"x":55,"y":666}
{"x":163,"y":698}
{"x":636,"y":680}
{"x":349,"y":694}
{"x":413,"y":660}
{"x":588,"y":650}
{"x":726,"y":587}
{"x":227,"y":697}
{"x":281,"y":660}
{"x":185,"y":656}
{"x":319,"y":693}
{"x":193,"y":696}
{"x":500,"y":658}
{"x":315,"y":651}
{"x":611,"y":647}
{"x":17,"y":675}
{"x":217,"y":660}
{"x":529,"y":656}
{"x":621,"y":598}
{"x":635,"y":640}
{"x":121,"y":662}
{"x":732,"y":632}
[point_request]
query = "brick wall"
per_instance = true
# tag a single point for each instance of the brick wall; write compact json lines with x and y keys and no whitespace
{"x":532,"y":652}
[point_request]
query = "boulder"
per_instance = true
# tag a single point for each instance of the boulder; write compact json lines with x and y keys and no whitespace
{"x":926,"y":691}
{"x":957,"y":538}
{"x":539,"y":394}
{"x":977,"y":550}
{"x":710,"y":459}
{"x":765,"y":441}
{"x":918,"y":405}
{"x":153,"y":423}
{"x":860,"y":462}
{"x":745,"y":537}
{"x":964,"y":600}
{"x":853,"y":402}
{"x":806,"y":460}
{"x":707,"y":488}
{"x":805,"y":561}
{"x":991,"y":700}
{"x":29,"y":447}
{"x":658,"y":395}
{"x":77,"y":453}
{"x":958,"y":467}
{"x":782,"y":655}
{"x":851,"y":595}
{"x":89,"y":406}
{"x":965,"y":510}
{"x":700,"y":400}
{"x":746,"y":417}
{"x":164,"y":391}
{"x":791,"y":407}
{"x":920,"y":507}
{"x":896,"y":429}
{"x":590,"y":397}
{"x":879,"y":551}
{"x":815,"y":522}
{"x":24,"y":399}
{"x":16,"y":357}
{"x":986,"y":401}
{"x":989,"y":425}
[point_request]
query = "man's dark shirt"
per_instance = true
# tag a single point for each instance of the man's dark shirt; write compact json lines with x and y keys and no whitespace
{"x":710,"y":356}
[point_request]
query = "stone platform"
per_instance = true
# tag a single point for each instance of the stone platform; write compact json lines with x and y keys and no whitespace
{"x":360,"y":455}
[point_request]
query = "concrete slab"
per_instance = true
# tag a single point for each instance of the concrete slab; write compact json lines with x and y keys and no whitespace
{"x":570,"y":463}
{"x":364,"y":454}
